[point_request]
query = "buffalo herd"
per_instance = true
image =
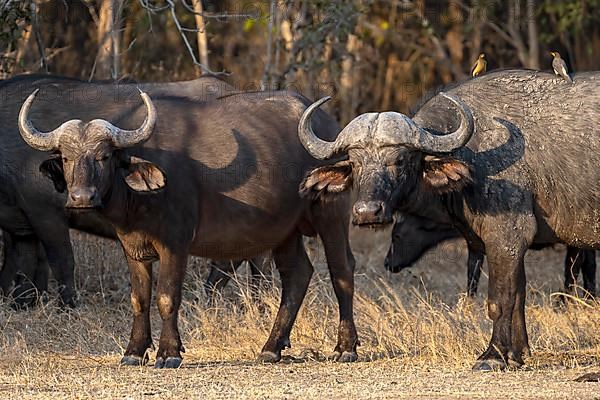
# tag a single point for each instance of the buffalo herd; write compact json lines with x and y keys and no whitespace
{"x":507,"y":160}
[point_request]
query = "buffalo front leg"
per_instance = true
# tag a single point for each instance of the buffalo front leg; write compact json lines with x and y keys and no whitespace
{"x":341,"y":269}
{"x":474,"y":264}
{"x":141,"y":293}
{"x":168,"y":299}
{"x":332,"y":221}
{"x":519,"y":340}
{"x":506,"y":307}
{"x":295,"y":271}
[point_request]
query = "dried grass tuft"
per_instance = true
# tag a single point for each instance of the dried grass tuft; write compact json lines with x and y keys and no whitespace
{"x":412,"y":322}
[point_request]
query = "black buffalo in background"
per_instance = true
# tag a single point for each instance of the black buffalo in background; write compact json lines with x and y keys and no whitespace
{"x":412,"y":236}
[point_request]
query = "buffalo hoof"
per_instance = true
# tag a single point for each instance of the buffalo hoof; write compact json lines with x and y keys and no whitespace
{"x":170,"y":362}
{"x":21,"y":304}
{"x":68,"y":299}
{"x":68,"y":304}
{"x":526,"y":351}
{"x":489,"y":365}
{"x":268,"y":357}
{"x":345,"y":356}
{"x":134,"y":360}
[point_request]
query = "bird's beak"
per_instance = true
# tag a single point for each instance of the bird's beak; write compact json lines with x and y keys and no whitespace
{"x":552,"y":53}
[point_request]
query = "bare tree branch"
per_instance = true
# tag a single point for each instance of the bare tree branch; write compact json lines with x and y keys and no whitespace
{"x":153,"y":9}
{"x":146,"y":4}
{"x":204,"y":68}
{"x":220,"y":17}
{"x":171,"y":6}
{"x":92,"y":12}
{"x":513,"y":37}
{"x":441,"y":53}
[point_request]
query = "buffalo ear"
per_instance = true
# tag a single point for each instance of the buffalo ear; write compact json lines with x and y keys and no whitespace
{"x":52,"y":168}
{"x":144,"y":176}
{"x":327,"y":180}
{"x":445,"y":174}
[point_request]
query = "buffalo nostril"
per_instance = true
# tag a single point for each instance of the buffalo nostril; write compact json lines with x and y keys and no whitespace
{"x":83,"y":196}
{"x":377,"y":208}
{"x":374,"y":208}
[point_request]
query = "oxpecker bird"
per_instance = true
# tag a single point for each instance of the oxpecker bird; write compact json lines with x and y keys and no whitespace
{"x":480,"y":66}
{"x":560,"y":67}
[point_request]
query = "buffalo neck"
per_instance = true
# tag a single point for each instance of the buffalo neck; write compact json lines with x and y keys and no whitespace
{"x":119,"y":203}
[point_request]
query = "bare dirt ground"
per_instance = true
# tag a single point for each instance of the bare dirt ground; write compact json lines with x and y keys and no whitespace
{"x":419,"y":336}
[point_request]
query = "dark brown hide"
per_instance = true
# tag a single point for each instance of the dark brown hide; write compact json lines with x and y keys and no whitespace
{"x":233,"y":167}
{"x":26,"y":195}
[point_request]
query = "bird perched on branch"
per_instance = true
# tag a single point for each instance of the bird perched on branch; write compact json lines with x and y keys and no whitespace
{"x":560,"y":67}
{"x":480,"y":66}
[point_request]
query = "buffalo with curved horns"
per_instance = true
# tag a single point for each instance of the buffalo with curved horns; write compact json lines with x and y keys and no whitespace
{"x":510,"y":159}
{"x":31,"y":208}
{"x":216,"y":179}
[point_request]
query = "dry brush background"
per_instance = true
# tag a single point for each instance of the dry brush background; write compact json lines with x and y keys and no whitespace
{"x":419,"y":335}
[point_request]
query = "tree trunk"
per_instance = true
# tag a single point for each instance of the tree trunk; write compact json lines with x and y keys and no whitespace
{"x":534,"y":47}
{"x":23,"y":49}
{"x":347,"y":80}
{"x":264,"y":84}
{"x":454,"y":37}
{"x":514,"y":15}
{"x":201,"y":35}
{"x":108,"y":34}
{"x":478,"y":19}
{"x":389,"y":85}
{"x":38,"y":36}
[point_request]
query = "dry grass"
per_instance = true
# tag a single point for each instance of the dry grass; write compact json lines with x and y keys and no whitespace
{"x":419,"y":336}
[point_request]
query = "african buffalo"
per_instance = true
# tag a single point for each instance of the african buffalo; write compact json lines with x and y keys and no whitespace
{"x":412,"y":236}
{"x":518,"y":167}
{"x":217,"y":179}
{"x":29,"y":205}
